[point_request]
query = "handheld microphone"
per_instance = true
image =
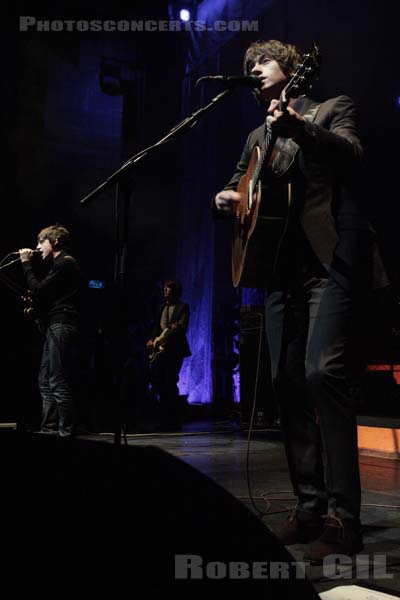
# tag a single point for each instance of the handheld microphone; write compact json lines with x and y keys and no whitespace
{"x":34,"y":252}
{"x":234,"y":80}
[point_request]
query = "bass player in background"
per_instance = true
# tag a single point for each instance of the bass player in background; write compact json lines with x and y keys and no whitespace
{"x":167,"y":348}
{"x":327,"y":258}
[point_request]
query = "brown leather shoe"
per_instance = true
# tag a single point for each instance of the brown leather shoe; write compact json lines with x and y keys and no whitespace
{"x":299,"y":528}
{"x":340,"y":536}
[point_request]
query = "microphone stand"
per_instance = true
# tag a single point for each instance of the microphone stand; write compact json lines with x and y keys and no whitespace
{"x":21,"y":293}
{"x":122,"y":232}
{"x":182,"y":127}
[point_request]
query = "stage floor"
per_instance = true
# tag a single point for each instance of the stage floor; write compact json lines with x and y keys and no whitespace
{"x":220,"y":451}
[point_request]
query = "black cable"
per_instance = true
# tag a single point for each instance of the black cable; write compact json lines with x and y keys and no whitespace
{"x":9,"y":263}
{"x":7,"y":255}
{"x":260,"y":329}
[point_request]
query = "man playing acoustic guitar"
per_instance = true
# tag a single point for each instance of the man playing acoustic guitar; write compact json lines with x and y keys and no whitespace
{"x":326,"y":258}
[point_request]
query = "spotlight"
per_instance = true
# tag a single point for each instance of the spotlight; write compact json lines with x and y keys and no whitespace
{"x":184,"y":11}
{"x":184,"y":15}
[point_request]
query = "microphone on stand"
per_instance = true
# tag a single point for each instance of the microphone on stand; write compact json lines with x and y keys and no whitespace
{"x":3,"y":266}
{"x":234,"y":80}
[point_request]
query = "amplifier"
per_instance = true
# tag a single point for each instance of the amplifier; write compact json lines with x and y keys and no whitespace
{"x":251,"y":343}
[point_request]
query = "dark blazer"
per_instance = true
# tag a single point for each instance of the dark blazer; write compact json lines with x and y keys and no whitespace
{"x":177,"y":341}
{"x":328,"y":155}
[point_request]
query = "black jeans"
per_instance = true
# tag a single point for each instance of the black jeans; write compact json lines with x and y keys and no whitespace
{"x":56,"y":378}
{"x":164,"y":383}
{"x":309,"y":332}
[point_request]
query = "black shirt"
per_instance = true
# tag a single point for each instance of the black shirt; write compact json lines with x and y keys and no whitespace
{"x":57,"y":295}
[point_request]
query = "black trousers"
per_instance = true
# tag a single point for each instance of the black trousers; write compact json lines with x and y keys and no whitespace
{"x":309,"y":326}
{"x":56,"y":377}
{"x":164,"y":378}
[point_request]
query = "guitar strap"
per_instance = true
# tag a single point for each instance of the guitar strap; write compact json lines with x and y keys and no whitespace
{"x":287,"y":148}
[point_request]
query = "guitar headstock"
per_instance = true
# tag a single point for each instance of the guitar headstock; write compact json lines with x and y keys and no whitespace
{"x":301,"y":80}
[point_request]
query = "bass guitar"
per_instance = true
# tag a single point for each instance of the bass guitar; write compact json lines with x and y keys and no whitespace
{"x":158,"y":346}
{"x":258,"y":225}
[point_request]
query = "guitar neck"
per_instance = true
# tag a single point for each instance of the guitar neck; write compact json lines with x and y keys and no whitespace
{"x":266,"y":149}
{"x":269,"y":139}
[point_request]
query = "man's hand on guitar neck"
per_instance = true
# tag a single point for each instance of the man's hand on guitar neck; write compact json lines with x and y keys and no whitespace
{"x":227,"y":201}
{"x":287,"y":124}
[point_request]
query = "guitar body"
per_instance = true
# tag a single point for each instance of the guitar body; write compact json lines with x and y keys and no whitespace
{"x":258,"y":226}
{"x":158,"y":345}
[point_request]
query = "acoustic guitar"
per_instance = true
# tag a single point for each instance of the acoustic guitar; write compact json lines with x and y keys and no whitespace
{"x":258,"y":223}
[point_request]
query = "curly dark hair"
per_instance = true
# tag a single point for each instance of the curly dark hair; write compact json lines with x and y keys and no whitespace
{"x":287,"y":56}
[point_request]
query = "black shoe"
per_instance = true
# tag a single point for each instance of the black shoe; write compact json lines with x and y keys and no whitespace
{"x":299,"y":528}
{"x":47,"y":432}
{"x":340,"y":536}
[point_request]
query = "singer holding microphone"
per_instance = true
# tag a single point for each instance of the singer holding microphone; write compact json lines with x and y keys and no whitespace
{"x":325,"y":262}
{"x":57,"y":298}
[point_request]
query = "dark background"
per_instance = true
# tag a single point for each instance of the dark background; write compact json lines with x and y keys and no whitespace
{"x":64,"y":135}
